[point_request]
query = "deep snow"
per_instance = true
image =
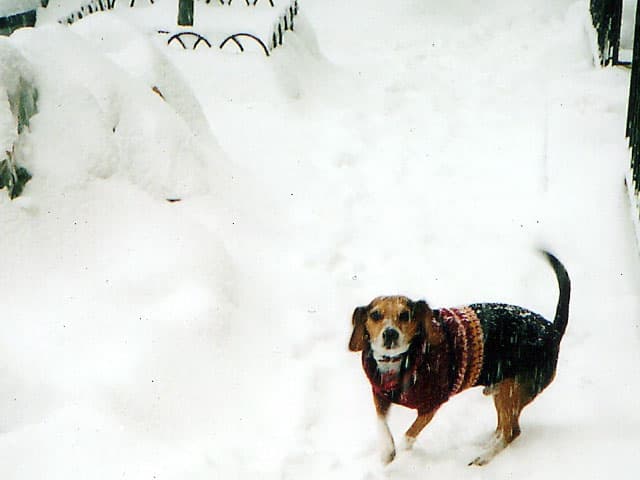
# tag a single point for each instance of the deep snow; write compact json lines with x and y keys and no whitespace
{"x":414,"y":147}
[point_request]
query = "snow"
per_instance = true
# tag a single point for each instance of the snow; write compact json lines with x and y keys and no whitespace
{"x":628,"y":24}
{"x":13,"y":7}
{"x":121,"y":125}
{"x":413,"y":147}
{"x":14,"y":70}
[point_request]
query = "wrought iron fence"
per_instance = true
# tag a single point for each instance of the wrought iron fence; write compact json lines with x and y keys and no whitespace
{"x":190,"y":39}
{"x":87,"y":9}
{"x":633,"y":116}
{"x":94,"y":6}
{"x":248,"y":2}
{"x":606,"y":16}
{"x":284,"y":23}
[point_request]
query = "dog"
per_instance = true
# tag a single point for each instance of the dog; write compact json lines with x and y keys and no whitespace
{"x":419,"y":358}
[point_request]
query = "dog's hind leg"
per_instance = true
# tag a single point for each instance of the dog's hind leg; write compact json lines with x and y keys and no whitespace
{"x":387,"y":445}
{"x":510,"y":396}
{"x":418,"y":425}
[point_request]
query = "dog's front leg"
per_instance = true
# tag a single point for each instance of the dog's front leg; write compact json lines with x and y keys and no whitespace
{"x":414,"y":430}
{"x":387,"y":446}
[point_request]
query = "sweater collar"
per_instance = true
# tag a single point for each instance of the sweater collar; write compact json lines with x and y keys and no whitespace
{"x":389,"y":380}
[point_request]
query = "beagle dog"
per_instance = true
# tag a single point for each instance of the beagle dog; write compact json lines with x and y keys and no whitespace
{"x":419,"y":358}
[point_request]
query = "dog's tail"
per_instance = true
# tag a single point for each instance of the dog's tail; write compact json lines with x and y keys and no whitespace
{"x":564,"y":284}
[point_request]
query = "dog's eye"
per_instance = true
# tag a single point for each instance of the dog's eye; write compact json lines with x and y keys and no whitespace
{"x":376,"y":316}
{"x":404,"y":316}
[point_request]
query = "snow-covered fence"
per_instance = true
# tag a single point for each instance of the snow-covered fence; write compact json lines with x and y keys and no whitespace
{"x":94,"y":6}
{"x":607,"y":20}
{"x":87,"y":9}
{"x":285,"y":23}
{"x":633,"y":127}
{"x":236,"y":39}
{"x":284,"y":12}
{"x":248,"y":2}
{"x":187,"y":39}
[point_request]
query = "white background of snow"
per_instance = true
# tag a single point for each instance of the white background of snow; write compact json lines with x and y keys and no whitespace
{"x":416,"y":146}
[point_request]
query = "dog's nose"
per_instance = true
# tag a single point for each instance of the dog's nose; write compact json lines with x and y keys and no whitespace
{"x":390,"y":337}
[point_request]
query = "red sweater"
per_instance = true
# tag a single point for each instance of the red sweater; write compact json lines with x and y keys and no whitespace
{"x":430,"y":374}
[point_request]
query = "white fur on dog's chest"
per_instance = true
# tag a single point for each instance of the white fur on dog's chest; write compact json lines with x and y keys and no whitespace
{"x":388,"y":368}
{"x":388,"y":365}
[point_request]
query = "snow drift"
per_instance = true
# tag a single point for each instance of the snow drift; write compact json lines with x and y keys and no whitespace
{"x":117,"y":120}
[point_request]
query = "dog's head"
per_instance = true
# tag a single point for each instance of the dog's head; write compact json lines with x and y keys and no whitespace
{"x":390,"y":324}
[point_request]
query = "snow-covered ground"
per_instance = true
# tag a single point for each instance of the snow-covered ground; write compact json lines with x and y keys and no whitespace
{"x":415,"y":146}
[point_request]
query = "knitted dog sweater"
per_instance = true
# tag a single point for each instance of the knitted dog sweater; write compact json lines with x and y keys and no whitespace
{"x":430,"y":374}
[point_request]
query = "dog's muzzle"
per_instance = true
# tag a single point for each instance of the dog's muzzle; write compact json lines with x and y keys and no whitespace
{"x":390,"y":337}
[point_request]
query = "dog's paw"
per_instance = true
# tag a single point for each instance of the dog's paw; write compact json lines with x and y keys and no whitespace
{"x":387,"y":456}
{"x":496,"y":445}
{"x":481,"y":460}
{"x":408,"y":443}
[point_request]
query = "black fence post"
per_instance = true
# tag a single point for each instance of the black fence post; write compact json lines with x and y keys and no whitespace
{"x":616,"y":28}
{"x":185,"y":13}
{"x":606,"y":17}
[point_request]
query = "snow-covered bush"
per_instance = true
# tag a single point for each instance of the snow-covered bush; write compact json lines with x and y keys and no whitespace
{"x":18,"y":103}
{"x":111,"y":107}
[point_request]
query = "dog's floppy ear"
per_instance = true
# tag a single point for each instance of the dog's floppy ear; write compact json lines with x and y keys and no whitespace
{"x":423,"y":314}
{"x":359,"y":337}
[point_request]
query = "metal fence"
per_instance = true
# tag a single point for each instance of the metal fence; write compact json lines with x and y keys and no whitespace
{"x":633,"y":115}
{"x":284,"y":22}
{"x":93,"y":6}
{"x":192,"y":40}
{"x":607,"y":20}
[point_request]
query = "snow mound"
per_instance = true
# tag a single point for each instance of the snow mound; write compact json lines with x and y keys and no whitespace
{"x":100,"y":117}
{"x":15,"y":76}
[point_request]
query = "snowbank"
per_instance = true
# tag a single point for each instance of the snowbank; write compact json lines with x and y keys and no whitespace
{"x":17,"y":94}
{"x":9,"y":80}
{"x":117,"y":120}
{"x":18,"y":103}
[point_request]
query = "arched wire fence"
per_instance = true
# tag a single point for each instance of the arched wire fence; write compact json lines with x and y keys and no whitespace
{"x":190,"y":39}
{"x":235,"y":38}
